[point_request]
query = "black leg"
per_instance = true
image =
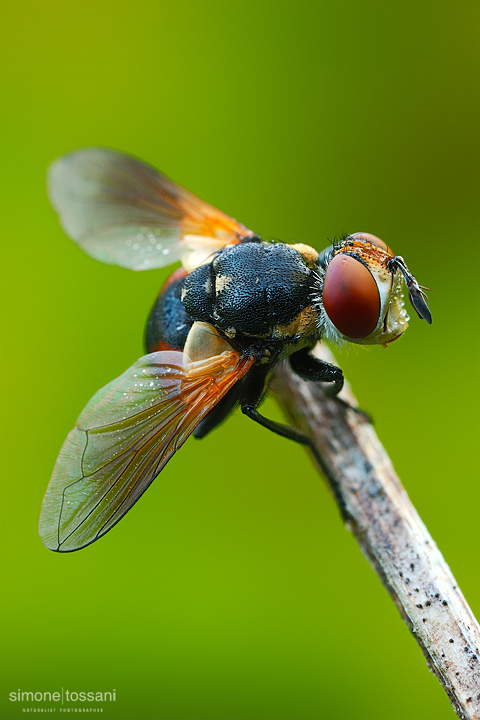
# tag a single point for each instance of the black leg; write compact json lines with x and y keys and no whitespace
{"x":310,"y":368}
{"x":253,"y":390}
{"x":283,"y":430}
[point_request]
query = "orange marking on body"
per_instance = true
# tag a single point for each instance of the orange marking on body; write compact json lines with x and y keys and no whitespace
{"x":367,"y":251}
{"x":162,"y":345}
{"x":179,"y":273}
{"x":309,"y":253}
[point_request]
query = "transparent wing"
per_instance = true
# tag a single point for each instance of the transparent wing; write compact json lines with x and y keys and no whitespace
{"x":124,"y":212}
{"x":124,"y":437}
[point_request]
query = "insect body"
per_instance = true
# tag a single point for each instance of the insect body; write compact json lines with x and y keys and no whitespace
{"x":219,"y":326}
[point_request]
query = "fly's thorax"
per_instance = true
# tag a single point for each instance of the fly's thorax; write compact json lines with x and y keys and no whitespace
{"x":358,"y":292}
{"x":255,"y":289}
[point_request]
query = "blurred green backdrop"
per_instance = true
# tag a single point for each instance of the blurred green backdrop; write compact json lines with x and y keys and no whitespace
{"x":233,"y":591}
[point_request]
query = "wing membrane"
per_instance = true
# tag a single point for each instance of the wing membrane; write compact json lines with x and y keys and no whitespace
{"x":122,"y":211}
{"x":124,"y":437}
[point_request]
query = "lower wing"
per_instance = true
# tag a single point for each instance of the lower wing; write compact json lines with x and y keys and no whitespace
{"x":125,"y":436}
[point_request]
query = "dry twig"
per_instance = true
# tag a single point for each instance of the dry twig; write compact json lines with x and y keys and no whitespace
{"x":390,"y":533}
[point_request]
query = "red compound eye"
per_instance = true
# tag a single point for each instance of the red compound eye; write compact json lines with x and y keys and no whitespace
{"x":350,"y":297}
{"x":374,"y":240}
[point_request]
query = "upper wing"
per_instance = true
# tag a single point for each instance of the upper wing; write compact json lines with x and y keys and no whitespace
{"x":124,"y":212}
{"x":124,"y":437}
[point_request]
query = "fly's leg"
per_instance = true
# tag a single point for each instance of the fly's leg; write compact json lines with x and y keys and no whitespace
{"x":309,"y":367}
{"x":253,"y":392}
{"x":278,"y":428}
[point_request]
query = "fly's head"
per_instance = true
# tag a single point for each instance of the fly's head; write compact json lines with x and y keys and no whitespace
{"x":358,"y":292}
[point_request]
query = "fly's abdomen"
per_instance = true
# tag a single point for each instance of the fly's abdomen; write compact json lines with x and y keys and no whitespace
{"x":168,"y":323}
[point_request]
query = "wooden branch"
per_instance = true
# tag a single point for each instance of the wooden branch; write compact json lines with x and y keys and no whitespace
{"x":390,"y":533}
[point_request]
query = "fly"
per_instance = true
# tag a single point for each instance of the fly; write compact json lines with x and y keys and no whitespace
{"x":222,"y":321}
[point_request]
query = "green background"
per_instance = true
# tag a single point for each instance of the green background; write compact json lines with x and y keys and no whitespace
{"x":233,"y":591}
